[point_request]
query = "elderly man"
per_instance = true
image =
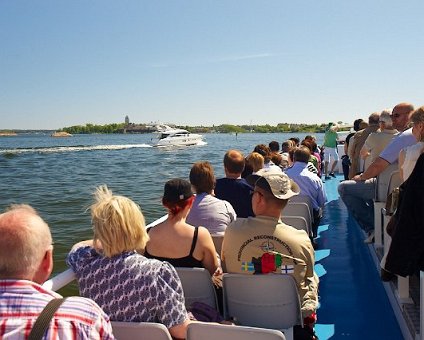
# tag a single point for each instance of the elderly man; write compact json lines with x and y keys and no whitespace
{"x":255,"y":245}
{"x":358,"y":194}
{"x":25,"y":263}
{"x":359,"y":139}
{"x":233,"y":188}
{"x":377,"y":141}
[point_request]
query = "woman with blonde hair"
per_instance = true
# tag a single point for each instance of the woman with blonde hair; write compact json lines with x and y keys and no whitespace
{"x":256,"y":161}
{"x":112,"y":271}
{"x":176,"y":241}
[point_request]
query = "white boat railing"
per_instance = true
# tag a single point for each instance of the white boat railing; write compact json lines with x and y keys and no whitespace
{"x":64,"y":278}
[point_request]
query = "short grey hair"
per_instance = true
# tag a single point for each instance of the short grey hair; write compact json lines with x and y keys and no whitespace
{"x":385,"y":117}
{"x":24,"y":240}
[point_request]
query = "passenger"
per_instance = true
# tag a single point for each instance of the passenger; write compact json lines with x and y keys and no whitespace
{"x":295,"y":141}
{"x":359,"y":141}
{"x":277,"y":159}
{"x":408,"y":156}
{"x":274,"y":146}
{"x":233,"y":188}
{"x":309,"y":166}
{"x":378,"y":140}
{"x":26,"y":261}
{"x":266,"y":153}
{"x":351,"y":147}
{"x":256,"y":161}
{"x":358,"y":194}
{"x":309,"y":183}
{"x":112,"y":270}
{"x":406,"y":253}
{"x":208,"y":211}
{"x":286,"y":146}
{"x":345,"y":158}
{"x":248,"y":241}
{"x":314,"y":158}
{"x":313,"y":139}
{"x":176,"y":241}
{"x":331,"y":156}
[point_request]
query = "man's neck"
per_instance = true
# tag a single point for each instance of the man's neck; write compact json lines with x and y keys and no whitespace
{"x":232,"y":175}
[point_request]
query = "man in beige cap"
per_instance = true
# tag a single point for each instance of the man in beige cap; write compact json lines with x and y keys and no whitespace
{"x":264,"y":244}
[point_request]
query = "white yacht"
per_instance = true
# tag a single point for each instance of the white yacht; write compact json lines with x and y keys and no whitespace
{"x":168,"y":136}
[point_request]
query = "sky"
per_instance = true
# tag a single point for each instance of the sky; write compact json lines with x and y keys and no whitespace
{"x":204,"y":62}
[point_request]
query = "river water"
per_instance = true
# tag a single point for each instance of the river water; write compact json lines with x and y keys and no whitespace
{"x":58,"y":175}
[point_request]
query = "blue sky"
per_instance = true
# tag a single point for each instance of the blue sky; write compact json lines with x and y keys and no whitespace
{"x":205,"y":62}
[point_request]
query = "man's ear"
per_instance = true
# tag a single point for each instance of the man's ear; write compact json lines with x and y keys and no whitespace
{"x":45,"y":268}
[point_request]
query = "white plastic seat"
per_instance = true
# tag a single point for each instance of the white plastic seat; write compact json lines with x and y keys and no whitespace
{"x":299,"y":209}
{"x":197,"y":286}
{"x":380,"y":197}
{"x":297,"y":222}
{"x":140,"y":330}
{"x":210,"y":331}
{"x":303,"y":199}
{"x":266,"y":301}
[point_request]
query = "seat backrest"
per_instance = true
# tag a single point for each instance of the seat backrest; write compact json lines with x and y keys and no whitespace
{"x":197,"y":285}
{"x":382,"y":183}
{"x":140,"y":330}
{"x":297,"y":222}
{"x":217,"y":241}
{"x":299,"y":209}
{"x":394,"y":182}
{"x":267,"y":301}
{"x":302,"y":199}
{"x":210,"y":331}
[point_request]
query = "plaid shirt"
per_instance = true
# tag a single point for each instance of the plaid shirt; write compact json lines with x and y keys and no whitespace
{"x":22,"y":301}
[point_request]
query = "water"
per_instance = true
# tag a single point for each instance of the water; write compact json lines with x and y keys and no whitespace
{"x":58,"y":176}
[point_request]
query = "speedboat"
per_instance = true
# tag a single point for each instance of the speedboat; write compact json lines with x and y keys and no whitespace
{"x":177,"y":137}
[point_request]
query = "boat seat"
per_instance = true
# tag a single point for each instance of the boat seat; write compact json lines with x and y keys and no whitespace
{"x":211,"y":331}
{"x":300,"y":209}
{"x":297,"y":222}
{"x":197,"y":286}
{"x":140,"y":330}
{"x":276,"y":307}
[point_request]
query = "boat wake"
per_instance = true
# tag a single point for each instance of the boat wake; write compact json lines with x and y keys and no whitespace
{"x":76,"y":148}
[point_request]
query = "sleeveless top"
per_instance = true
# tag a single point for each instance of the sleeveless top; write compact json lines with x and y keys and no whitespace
{"x":186,"y":261}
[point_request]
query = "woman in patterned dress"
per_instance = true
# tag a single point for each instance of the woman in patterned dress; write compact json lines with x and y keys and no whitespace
{"x":112,"y":271}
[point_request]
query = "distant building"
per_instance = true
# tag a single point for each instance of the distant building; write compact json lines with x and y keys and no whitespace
{"x":127,"y":120}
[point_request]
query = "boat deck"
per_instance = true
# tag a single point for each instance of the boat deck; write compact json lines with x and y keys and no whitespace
{"x":353,"y":301}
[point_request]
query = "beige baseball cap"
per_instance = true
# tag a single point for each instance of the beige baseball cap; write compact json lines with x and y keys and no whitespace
{"x":275,"y":182}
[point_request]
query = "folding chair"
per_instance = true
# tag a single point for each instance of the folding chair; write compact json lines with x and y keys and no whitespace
{"x":197,"y":286}
{"x":210,"y":331}
{"x":266,"y":301}
{"x":140,"y":330}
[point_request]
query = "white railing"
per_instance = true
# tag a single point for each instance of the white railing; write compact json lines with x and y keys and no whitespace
{"x":64,"y":278}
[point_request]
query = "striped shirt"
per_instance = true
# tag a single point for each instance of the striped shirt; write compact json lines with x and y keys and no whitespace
{"x":21,"y":302}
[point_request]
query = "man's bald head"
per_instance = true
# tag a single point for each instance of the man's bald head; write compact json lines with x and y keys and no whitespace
{"x":25,"y":239}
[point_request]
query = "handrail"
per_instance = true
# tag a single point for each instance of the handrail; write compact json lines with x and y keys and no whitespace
{"x":64,"y":278}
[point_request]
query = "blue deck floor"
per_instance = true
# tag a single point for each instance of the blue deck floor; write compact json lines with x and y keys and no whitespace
{"x":353,"y":302}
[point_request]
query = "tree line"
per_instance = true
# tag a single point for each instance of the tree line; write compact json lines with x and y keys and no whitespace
{"x":224,"y":128}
